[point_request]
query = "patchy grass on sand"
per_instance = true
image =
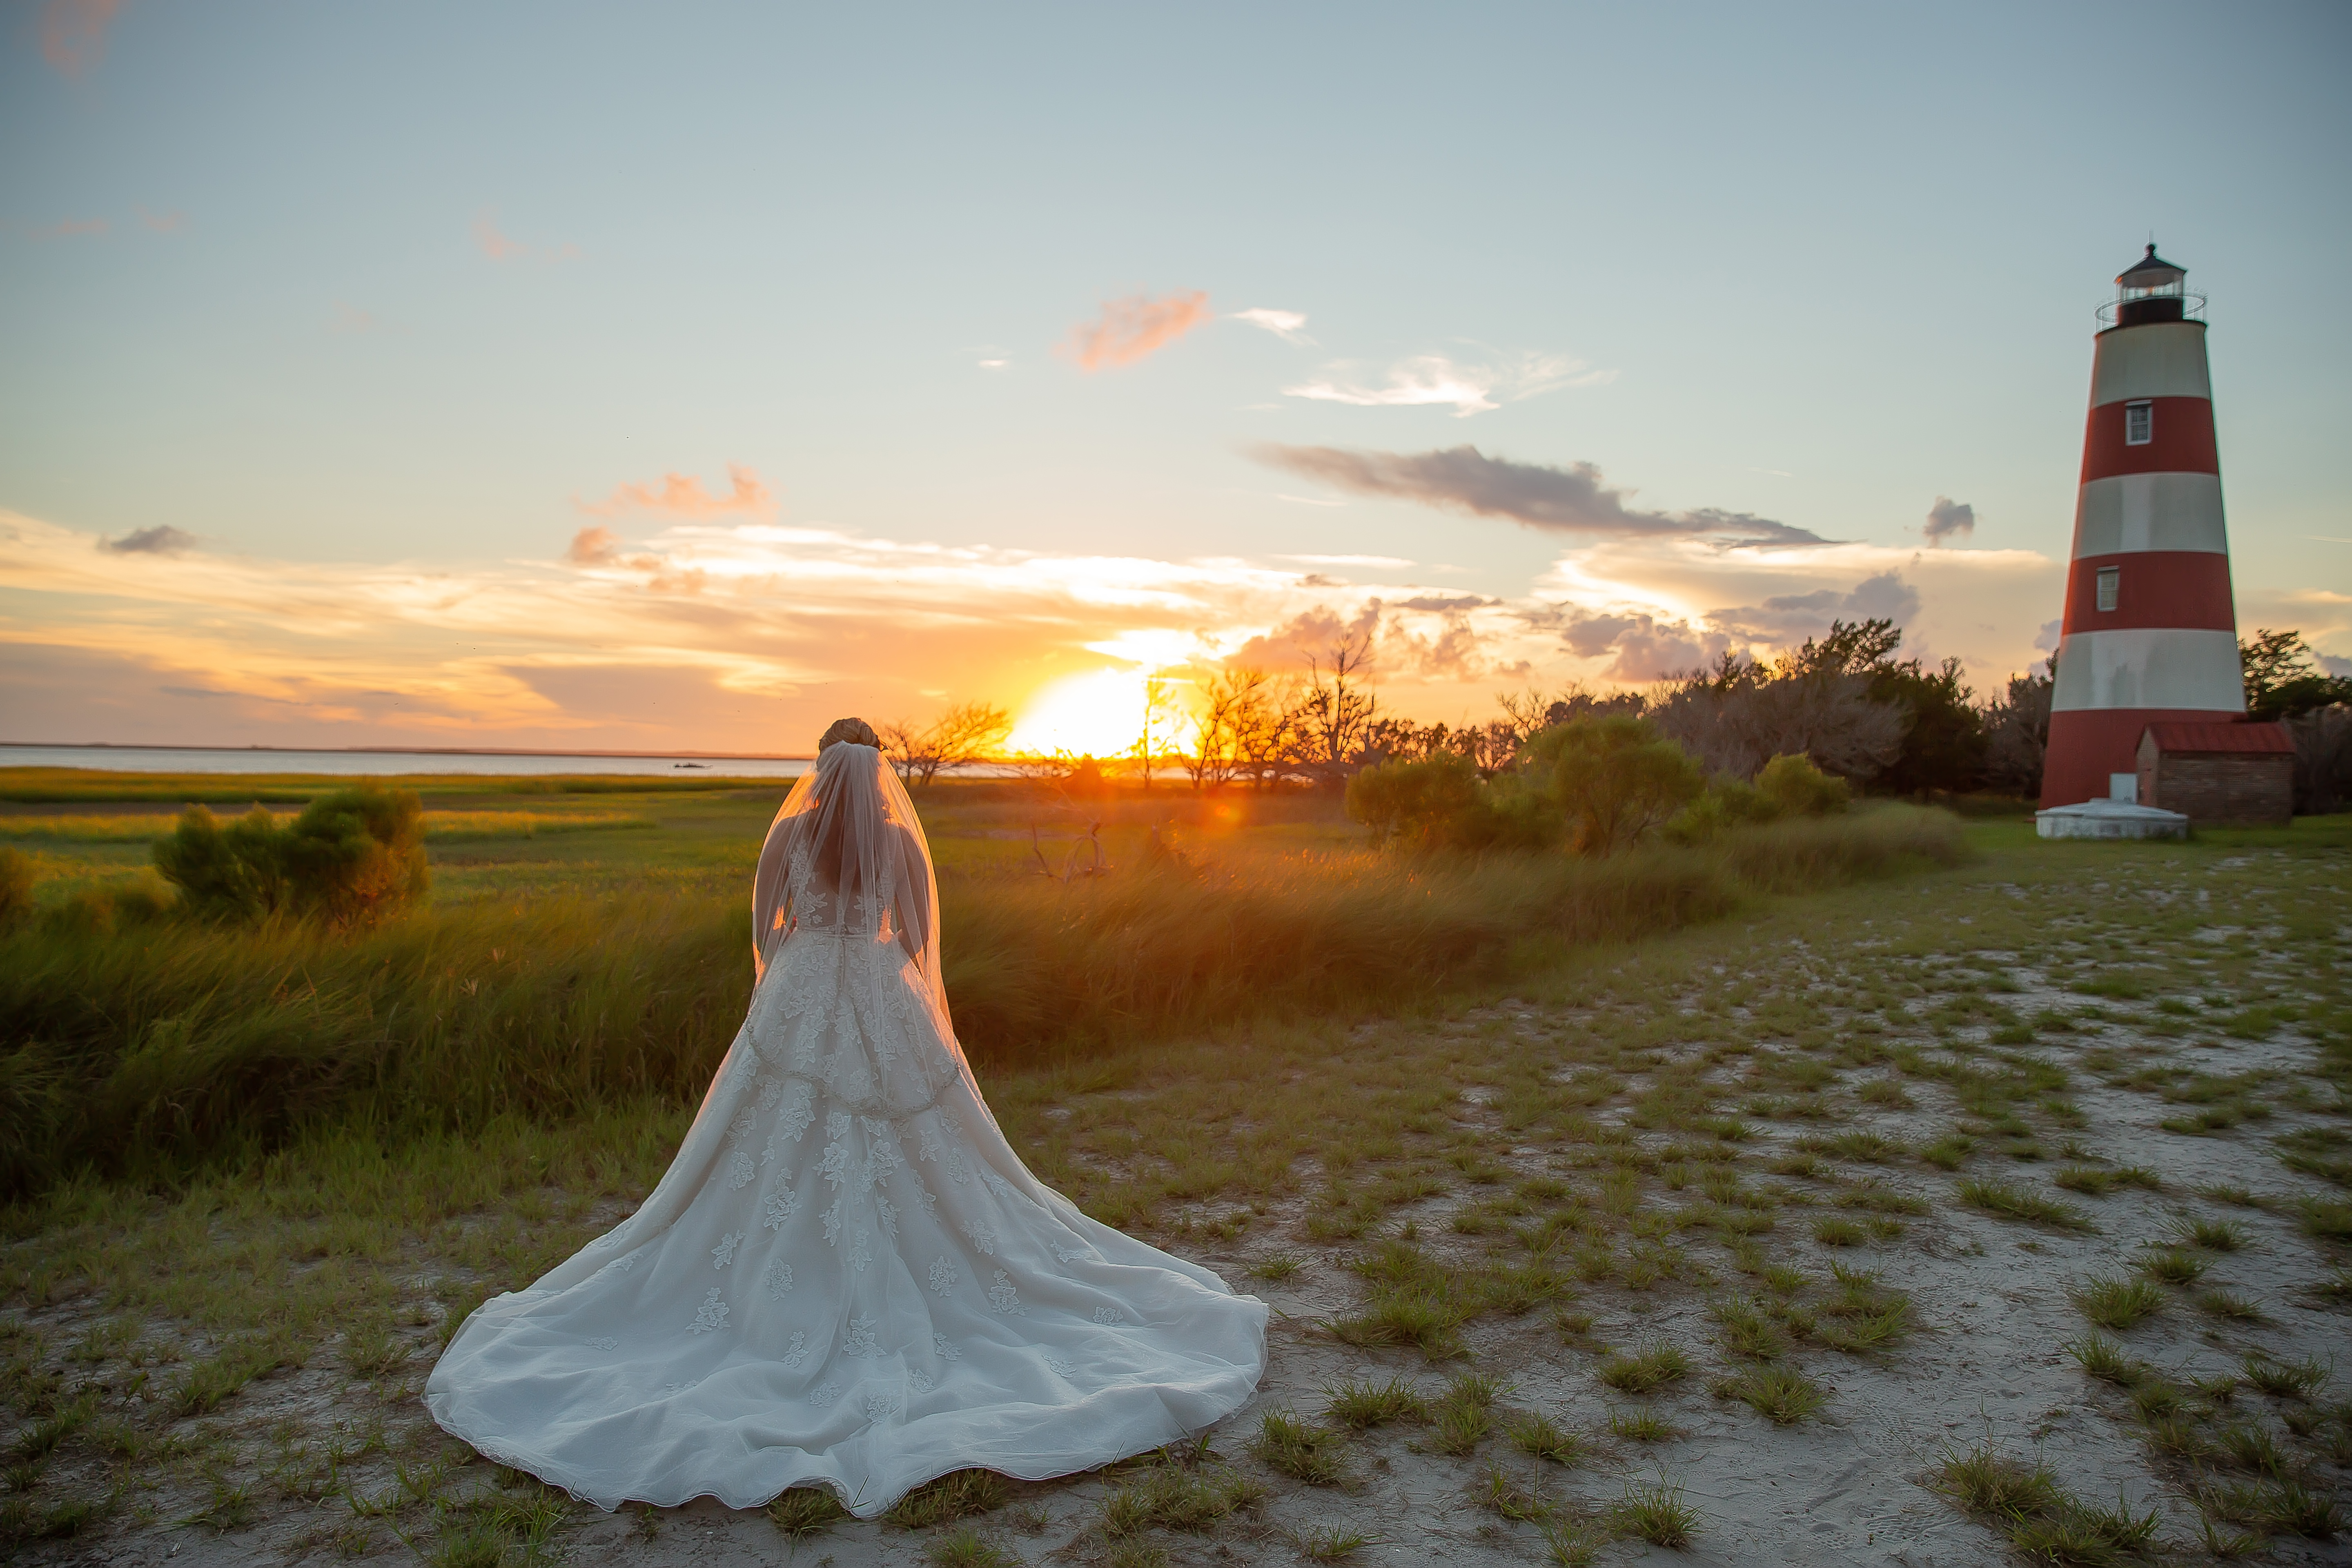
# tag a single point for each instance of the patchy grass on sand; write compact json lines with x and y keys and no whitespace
{"x":1749,"y":1238}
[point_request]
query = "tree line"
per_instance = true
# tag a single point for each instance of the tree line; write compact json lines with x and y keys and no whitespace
{"x":1846,"y":701}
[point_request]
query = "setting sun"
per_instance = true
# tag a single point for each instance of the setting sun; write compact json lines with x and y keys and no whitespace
{"x":1099,"y":715}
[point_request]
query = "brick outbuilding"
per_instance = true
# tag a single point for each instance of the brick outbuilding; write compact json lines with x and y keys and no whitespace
{"x":2218,"y":773}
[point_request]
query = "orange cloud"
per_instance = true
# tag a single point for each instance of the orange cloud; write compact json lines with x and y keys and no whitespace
{"x":72,"y":227}
{"x":682,"y":495}
{"x":1136,"y":327}
{"x":73,"y":33}
{"x":593,"y":547}
{"x":164,"y":223}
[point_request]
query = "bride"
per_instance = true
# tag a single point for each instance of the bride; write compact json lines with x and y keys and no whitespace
{"x":846,"y":1277}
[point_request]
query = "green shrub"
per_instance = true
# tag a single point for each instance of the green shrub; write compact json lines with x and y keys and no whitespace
{"x":15,"y":887}
{"x":1614,"y":777}
{"x":1797,"y":788}
{"x":351,"y":855}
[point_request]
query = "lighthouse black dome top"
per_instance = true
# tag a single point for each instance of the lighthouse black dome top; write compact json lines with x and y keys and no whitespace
{"x":2151,"y":289}
{"x":2150,"y":272}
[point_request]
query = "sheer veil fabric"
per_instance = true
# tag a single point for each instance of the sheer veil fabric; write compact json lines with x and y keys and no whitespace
{"x":846,"y":1277}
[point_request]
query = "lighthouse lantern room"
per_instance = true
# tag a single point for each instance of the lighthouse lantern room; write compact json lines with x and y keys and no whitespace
{"x":2150,"y":631}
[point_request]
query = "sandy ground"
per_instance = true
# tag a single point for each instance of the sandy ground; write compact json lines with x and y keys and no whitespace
{"x":1985,"y":1362}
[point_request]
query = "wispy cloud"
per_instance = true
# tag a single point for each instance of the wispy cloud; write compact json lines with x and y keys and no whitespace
{"x":160,"y":539}
{"x":1136,"y":327}
{"x":1387,"y":561}
{"x":73,"y":33}
{"x":1436,"y":380}
{"x":72,"y":228}
{"x":1948,"y":518}
{"x":163,"y":223}
{"x":682,"y":495}
{"x":493,"y":244}
{"x":1574,"y":499}
{"x":1287,"y":325}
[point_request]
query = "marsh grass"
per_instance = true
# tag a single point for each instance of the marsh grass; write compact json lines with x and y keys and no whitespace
{"x":2284,"y":1379}
{"x":2099,"y":1182}
{"x":1538,"y":1437}
{"x":804,"y":1511}
{"x":1464,"y":1416}
{"x":1642,"y":1426}
{"x":1655,"y":1511}
{"x":2211,"y":1234}
{"x":193,"y":1040}
{"x":2118,"y":1304}
{"x":1646,"y":1370}
{"x":967,"y":1548}
{"x":1781,"y":1394}
{"x":959,"y":1494}
{"x":1360,"y":1406}
{"x":1300,"y":1450}
{"x":2040,"y":1518}
{"x":2103,"y":1359}
{"x":2171,"y":1266}
{"x":1175,"y":1497}
{"x":2006,"y":1200}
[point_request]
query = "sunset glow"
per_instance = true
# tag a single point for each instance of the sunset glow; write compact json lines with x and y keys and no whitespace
{"x":528,"y":426}
{"x":1097,"y":715}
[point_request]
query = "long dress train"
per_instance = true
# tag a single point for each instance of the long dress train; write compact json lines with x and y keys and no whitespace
{"x":847,"y":1278}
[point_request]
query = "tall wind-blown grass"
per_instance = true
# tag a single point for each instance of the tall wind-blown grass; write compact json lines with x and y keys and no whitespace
{"x":174,"y":1042}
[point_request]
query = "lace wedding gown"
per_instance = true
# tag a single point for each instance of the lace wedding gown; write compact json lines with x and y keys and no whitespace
{"x":846,"y":1277}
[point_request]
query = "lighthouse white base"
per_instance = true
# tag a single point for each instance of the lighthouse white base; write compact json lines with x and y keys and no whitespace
{"x":2110,"y":819}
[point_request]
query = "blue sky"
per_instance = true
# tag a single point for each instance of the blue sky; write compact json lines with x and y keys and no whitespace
{"x":379,"y":309}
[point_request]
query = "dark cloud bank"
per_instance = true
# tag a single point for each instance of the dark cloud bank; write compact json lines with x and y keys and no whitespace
{"x":1573,"y":499}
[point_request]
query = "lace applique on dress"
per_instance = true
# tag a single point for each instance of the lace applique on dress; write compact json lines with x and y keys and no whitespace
{"x":1069,"y":1253}
{"x":712,"y":1314}
{"x":833,"y":1217}
{"x":780,"y":1207}
{"x":983,"y":1237}
{"x":605,"y":1344}
{"x":723,"y":1255}
{"x":799,"y":1113}
{"x":1002,"y":1297}
{"x":943,"y":1275}
{"x":739,"y":1170}
{"x":861,"y":1336}
{"x":877,"y":1406}
{"x":825,"y":1393}
{"x":836,"y":1126}
{"x":1062,"y":1365}
{"x":860,"y":1255}
{"x":778,"y":1278}
{"x":769,"y":1093}
{"x":795,"y":1353}
{"x":930,"y":1204}
{"x":996,"y":1184}
{"x":1108,"y":1316}
{"x":740,"y":1127}
{"x":610,"y":1239}
{"x":944,"y":1351}
{"x":919,"y":1381}
{"x":887,"y":1213}
{"x":623,"y":1264}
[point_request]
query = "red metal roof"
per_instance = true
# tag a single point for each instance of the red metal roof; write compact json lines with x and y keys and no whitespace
{"x":2269,"y":740}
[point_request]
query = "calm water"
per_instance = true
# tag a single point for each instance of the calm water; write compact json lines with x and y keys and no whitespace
{"x":263,"y":760}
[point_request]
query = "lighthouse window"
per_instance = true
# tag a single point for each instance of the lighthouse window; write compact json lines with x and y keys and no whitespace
{"x":2139,"y":424}
{"x":2110,"y":580}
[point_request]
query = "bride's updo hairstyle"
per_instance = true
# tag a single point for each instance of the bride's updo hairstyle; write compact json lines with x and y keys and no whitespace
{"x":856,"y":732}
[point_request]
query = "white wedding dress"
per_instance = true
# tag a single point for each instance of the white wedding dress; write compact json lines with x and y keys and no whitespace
{"x":846,"y":1277}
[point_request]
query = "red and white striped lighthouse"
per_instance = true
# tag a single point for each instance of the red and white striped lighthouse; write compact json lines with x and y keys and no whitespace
{"x":2150,"y":632}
